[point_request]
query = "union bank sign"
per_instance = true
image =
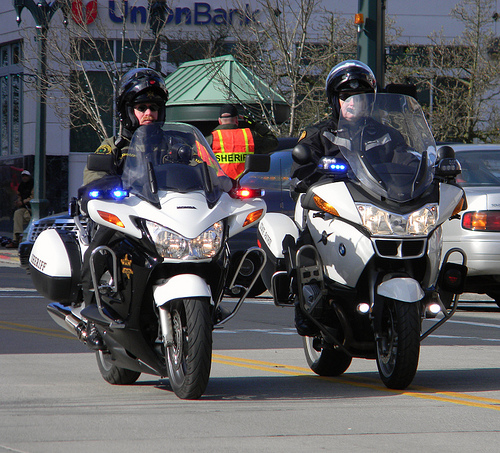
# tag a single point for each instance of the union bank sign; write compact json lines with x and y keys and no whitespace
{"x":196,"y":14}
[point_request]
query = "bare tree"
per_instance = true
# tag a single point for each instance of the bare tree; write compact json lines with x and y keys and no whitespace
{"x":461,"y":75}
{"x":292,"y":46}
{"x":84,"y":63}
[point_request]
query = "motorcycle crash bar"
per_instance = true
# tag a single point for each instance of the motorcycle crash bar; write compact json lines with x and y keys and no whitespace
{"x":247,"y":290}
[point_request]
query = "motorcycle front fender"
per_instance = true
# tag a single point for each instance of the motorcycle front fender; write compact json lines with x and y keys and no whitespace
{"x":404,"y":289}
{"x":181,"y":286}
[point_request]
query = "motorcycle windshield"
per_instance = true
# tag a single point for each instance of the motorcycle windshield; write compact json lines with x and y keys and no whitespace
{"x":387,"y":142}
{"x":174,"y":157}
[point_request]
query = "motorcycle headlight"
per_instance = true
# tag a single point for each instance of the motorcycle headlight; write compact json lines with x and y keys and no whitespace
{"x":172,"y":245}
{"x":384,"y":223}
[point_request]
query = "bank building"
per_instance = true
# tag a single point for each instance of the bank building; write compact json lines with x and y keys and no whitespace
{"x":165,"y":34}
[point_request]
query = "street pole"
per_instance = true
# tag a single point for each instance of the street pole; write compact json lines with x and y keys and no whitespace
{"x":39,"y":202}
{"x":371,"y":37}
{"x":157,"y":18}
{"x":42,"y":12}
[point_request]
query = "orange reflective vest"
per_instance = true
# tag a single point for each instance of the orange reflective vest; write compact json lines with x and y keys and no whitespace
{"x":231,"y":147}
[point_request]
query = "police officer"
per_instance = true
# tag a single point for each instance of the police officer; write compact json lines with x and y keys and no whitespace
{"x":231,"y":142}
{"x":344,"y":80}
{"x":141,"y":100}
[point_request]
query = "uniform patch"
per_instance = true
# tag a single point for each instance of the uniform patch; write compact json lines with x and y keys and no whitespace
{"x":104,"y":149}
{"x":303,"y":135}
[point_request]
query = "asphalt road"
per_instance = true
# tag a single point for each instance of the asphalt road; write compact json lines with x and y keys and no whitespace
{"x":261,"y":394}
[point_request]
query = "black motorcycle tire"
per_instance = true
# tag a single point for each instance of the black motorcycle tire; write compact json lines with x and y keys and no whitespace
{"x":398,"y":353}
{"x":189,"y":358}
{"x":327,"y":362}
{"x":113,"y":374}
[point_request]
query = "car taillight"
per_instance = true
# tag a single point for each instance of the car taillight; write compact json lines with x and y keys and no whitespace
{"x":481,"y":221}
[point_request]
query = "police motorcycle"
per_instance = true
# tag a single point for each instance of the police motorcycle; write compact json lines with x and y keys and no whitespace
{"x":362,"y":256}
{"x":159,"y":281}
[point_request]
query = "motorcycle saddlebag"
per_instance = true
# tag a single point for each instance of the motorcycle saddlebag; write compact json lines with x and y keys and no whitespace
{"x":273,"y":228}
{"x":55,"y":266}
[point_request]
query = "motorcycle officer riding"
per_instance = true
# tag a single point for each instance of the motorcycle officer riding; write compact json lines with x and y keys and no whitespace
{"x":141,"y":100}
{"x":344,"y":80}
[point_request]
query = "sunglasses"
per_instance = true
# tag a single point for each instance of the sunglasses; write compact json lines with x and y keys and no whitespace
{"x":343,"y":96}
{"x":143,"y":107}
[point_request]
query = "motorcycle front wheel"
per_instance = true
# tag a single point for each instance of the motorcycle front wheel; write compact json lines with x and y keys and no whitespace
{"x":398,"y":347}
{"x":113,"y":374}
{"x":189,"y":358}
{"x":326,"y":362}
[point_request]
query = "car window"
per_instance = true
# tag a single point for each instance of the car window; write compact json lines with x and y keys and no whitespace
{"x":278,"y":176}
{"x":479,"y":168}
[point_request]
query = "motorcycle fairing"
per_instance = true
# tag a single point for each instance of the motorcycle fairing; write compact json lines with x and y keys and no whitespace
{"x":450,"y":196}
{"x":185,"y":213}
{"x":343,"y":248}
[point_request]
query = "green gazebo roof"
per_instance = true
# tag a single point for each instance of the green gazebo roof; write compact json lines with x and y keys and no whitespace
{"x":198,"y":88}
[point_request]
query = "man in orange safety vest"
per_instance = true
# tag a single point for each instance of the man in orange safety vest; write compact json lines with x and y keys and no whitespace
{"x":232,"y":143}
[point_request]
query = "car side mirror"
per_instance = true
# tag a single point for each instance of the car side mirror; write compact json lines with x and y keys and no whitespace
{"x":301,"y":154}
{"x":101,"y":162}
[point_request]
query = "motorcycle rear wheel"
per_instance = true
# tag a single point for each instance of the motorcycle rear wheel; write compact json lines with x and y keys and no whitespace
{"x":399,"y":348}
{"x":327,"y":362}
{"x":189,"y":358}
{"x":113,"y":374}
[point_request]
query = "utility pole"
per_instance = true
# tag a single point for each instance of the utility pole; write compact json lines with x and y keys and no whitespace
{"x":371,"y":36}
{"x":42,"y":12}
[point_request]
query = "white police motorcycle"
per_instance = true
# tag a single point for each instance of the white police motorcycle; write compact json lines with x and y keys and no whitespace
{"x":362,"y":255}
{"x":159,"y":279}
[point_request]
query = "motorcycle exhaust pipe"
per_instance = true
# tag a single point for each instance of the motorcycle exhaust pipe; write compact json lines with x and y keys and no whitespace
{"x":64,"y":317}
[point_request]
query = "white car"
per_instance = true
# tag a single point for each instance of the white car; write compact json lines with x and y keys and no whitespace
{"x":478,"y":230}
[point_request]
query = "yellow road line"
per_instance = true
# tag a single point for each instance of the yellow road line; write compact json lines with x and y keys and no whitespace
{"x":421,"y":392}
{"x":32,"y":329}
{"x":356,"y":381}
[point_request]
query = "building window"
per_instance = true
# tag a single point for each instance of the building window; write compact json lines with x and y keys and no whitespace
{"x":11,"y":88}
{"x":96,"y":55}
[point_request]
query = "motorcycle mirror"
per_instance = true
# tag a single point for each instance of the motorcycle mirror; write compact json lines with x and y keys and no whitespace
{"x":100,"y":162}
{"x":259,"y":163}
{"x":445,"y":152}
{"x":447,"y":166}
{"x":301,"y":154}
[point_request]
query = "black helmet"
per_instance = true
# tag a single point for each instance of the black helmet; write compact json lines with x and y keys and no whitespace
{"x":140,"y":85}
{"x":349,"y":76}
